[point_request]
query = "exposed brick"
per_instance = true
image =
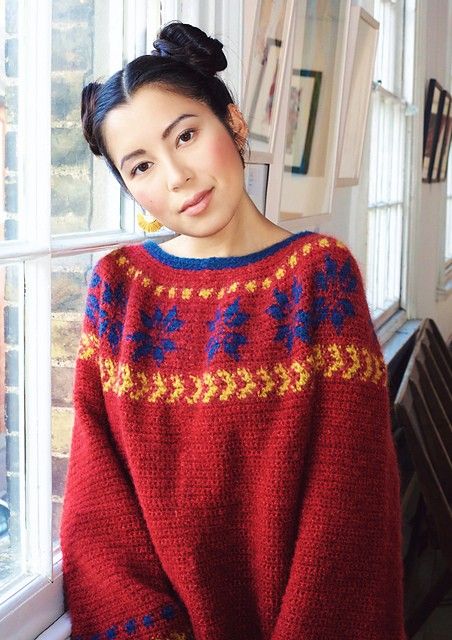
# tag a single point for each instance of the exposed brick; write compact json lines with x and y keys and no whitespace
{"x":11,"y":16}
{"x":11,"y":104}
{"x":12,"y":368}
{"x":65,"y":338}
{"x":70,"y":11}
{"x":11,"y":283}
{"x":11,"y":192}
{"x":11,"y":58}
{"x":62,"y":385}
{"x":10,"y":229}
{"x":66,"y":92}
{"x":59,"y":472}
{"x":62,"y":422}
{"x":72,"y":49}
{"x":11,"y":315}
{"x":57,"y":508}
{"x":71,"y":194}
{"x":12,"y":411}
{"x":11,"y":151}
{"x":68,"y":147}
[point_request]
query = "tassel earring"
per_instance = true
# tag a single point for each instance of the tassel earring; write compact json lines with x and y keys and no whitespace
{"x":147,"y":224}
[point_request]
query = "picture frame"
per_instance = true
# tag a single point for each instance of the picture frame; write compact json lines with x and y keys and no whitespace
{"x":319,"y":37}
{"x":362,"y":44}
{"x":433,"y":111}
{"x":440,"y":163}
{"x":265,"y":63}
{"x":301,"y":118}
{"x":262,"y":104}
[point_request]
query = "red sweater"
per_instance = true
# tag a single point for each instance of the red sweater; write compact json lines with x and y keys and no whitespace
{"x":232,"y":472}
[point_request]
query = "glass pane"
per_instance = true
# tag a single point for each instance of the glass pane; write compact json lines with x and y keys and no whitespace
{"x":85,"y":34}
{"x":264,"y":74}
{"x":8,"y":120}
{"x":11,"y":412}
{"x":70,"y":278}
{"x":312,"y":124}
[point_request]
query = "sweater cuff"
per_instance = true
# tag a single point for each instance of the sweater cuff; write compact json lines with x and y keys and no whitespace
{"x":168,"y":622}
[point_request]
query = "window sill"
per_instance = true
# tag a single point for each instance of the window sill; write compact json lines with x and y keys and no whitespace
{"x":60,"y":629}
{"x":34,"y":608}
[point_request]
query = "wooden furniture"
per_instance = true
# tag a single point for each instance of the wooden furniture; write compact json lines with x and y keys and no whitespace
{"x":423,"y":409}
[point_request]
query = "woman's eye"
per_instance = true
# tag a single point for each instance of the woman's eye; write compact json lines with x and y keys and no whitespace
{"x":140,"y":166}
{"x":187,"y":135}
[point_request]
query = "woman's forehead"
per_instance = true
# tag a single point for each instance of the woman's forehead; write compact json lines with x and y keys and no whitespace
{"x":148,"y":113}
{"x":151,"y":108}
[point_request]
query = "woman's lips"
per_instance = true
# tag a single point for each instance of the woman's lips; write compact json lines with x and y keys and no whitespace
{"x":200,"y":205}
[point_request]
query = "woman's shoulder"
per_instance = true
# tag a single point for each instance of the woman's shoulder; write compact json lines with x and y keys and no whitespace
{"x":119,"y":263}
{"x":317,"y":250}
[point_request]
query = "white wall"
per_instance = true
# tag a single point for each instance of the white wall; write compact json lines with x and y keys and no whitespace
{"x":426,"y":226}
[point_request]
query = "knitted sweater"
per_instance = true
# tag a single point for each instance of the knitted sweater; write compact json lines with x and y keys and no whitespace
{"x":232,"y":473}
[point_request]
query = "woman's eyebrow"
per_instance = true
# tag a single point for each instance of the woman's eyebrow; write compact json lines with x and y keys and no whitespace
{"x":171,"y":126}
{"x":165,"y":135}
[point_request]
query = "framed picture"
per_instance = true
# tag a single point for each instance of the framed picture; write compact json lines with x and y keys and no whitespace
{"x":301,"y":118}
{"x":308,"y":145}
{"x":266,"y":62}
{"x":440,"y":162}
{"x":432,"y":115}
{"x":359,"y":66}
{"x":261,"y":108}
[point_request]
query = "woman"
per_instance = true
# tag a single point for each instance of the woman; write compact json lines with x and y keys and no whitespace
{"x":232,"y":472}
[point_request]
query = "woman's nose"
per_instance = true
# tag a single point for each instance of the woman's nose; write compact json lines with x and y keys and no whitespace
{"x":177,"y":174}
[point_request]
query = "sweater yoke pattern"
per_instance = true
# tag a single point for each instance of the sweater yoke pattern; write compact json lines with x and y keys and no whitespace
{"x":232,"y":473}
{"x":287,"y":315}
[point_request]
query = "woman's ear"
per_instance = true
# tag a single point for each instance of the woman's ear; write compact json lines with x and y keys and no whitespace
{"x":237,"y":122}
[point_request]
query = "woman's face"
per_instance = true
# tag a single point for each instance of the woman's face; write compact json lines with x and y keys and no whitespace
{"x":178,"y":160}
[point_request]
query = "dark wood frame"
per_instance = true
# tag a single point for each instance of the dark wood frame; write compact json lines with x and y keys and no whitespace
{"x":432,"y":123}
{"x":443,"y":163}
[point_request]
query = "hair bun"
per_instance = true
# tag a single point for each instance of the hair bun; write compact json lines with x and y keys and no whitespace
{"x":89,"y":97}
{"x":190,"y":45}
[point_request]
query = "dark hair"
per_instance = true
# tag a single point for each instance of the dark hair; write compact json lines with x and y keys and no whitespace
{"x":185,"y":60}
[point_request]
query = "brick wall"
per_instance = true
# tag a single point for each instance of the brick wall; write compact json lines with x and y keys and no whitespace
{"x":71,"y":211}
{"x":71,"y":201}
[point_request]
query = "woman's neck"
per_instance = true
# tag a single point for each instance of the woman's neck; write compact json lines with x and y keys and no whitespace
{"x":247,"y":231}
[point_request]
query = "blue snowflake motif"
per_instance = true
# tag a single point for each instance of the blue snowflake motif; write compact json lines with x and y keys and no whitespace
{"x":113,"y":300}
{"x":112,"y":633}
{"x":339,"y":282}
{"x":130,"y":626}
{"x":224,"y":335}
{"x":148,"y":620}
{"x":154,"y":341}
{"x":168,"y":612}
{"x":294,"y":323}
{"x":92,"y":302}
{"x":103,"y":313}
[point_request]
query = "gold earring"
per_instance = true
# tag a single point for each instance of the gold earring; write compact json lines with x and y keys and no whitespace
{"x":148,"y":225}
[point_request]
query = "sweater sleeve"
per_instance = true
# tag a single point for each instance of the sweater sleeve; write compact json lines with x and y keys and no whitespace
{"x":114,"y":584}
{"x":346,"y":574}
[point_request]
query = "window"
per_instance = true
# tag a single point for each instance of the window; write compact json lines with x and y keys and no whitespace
{"x":61,"y":211}
{"x":448,"y":242}
{"x":390,"y":155}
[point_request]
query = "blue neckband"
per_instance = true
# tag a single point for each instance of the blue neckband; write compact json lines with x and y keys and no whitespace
{"x":197,"y":264}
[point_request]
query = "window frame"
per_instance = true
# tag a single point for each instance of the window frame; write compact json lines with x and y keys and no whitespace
{"x":32,"y":605}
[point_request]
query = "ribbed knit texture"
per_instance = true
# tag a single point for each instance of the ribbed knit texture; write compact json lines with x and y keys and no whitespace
{"x":232,"y":472}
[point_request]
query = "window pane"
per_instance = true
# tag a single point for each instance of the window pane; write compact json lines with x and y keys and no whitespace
{"x":85,"y":37}
{"x":11,"y":412}
{"x":8,"y":121}
{"x":70,"y":278}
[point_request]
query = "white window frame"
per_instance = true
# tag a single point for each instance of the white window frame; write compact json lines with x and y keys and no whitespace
{"x":33,"y":605}
{"x":392,"y":318}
